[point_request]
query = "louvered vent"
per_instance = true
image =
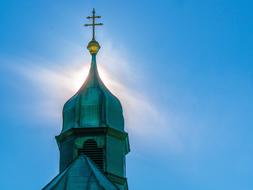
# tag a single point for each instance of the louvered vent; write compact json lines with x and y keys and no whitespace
{"x":96,"y":154}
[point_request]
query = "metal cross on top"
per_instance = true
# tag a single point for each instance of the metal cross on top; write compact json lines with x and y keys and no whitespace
{"x":93,"y":24}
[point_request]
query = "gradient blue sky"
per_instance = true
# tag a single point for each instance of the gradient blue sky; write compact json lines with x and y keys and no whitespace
{"x":183,"y":70}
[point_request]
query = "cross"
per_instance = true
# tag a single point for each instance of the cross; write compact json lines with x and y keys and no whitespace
{"x":94,"y":24}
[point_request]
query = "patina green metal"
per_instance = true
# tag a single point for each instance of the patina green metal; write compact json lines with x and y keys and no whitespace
{"x":93,"y":105}
{"x":93,"y":126}
{"x":114,"y":143}
{"x":91,"y":177}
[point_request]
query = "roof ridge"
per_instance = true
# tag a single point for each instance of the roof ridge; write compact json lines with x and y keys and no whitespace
{"x":66,"y":178}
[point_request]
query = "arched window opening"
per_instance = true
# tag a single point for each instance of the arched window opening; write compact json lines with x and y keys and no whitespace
{"x":96,"y":154}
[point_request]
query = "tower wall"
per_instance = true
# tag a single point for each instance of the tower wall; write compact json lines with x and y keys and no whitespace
{"x":66,"y":152}
{"x":113,"y":143}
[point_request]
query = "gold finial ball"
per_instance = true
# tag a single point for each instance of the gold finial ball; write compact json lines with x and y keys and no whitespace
{"x":93,"y":47}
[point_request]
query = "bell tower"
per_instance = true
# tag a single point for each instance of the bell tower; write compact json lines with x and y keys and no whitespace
{"x":93,"y":130}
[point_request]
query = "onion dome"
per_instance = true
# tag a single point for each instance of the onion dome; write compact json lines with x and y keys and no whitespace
{"x":93,"y":105}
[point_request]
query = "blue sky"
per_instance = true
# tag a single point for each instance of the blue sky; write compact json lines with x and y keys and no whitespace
{"x":182,"y":70}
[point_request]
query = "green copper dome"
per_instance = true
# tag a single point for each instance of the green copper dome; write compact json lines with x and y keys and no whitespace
{"x":93,"y":105}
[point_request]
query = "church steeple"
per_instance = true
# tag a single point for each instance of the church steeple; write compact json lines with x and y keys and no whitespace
{"x":93,"y":105}
{"x":93,"y":46}
{"x":92,"y":133}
